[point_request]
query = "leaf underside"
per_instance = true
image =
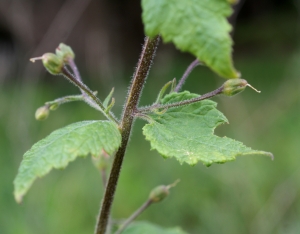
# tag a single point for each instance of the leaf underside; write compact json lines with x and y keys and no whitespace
{"x":63,"y":146}
{"x":196,"y":26}
{"x":148,"y":228}
{"x":187,"y":133}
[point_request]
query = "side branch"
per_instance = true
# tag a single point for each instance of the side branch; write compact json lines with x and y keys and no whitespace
{"x":134,"y":216}
{"x":89,"y":92}
{"x":130,"y":108}
{"x":230,"y":88}
{"x":188,"y":71}
{"x":182,"y":103}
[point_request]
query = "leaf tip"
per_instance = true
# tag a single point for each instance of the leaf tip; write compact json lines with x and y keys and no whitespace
{"x":207,"y":164}
{"x":238,"y":74}
{"x":256,"y":152}
{"x":270,"y":155}
{"x":18,"y":198}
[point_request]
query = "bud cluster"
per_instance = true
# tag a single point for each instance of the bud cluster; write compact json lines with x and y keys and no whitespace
{"x":55,"y":62}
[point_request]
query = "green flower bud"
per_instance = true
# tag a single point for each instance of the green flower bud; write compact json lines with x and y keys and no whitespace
{"x":52,"y":63}
{"x":159,"y":193}
{"x":65,"y":52}
{"x":54,"y":106}
{"x":234,"y":86}
{"x":42,"y":113}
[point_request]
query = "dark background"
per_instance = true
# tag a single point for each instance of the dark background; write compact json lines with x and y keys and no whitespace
{"x":249,"y":195}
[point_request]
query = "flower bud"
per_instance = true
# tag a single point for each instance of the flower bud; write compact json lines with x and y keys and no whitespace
{"x":159,"y":193}
{"x":54,"y":106}
{"x":52,"y":63}
{"x":65,"y":52}
{"x":234,"y":86}
{"x":42,"y":113}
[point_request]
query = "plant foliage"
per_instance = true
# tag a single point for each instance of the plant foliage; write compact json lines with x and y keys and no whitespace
{"x":187,"y":133}
{"x":63,"y":146}
{"x":196,"y":26}
{"x":149,"y":228}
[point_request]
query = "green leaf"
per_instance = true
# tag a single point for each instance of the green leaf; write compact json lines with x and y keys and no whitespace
{"x":187,"y":133}
{"x":196,"y":26}
{"x":108,"y":98}
{"x":148,"y":228}
{"x":63,"y":146}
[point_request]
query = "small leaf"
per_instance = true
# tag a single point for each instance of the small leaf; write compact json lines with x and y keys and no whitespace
{"x":174,"y":83}
{"x":111,"y":105}
{"x":108,"y":98}
{"x":63,"y":146}
{"x":196,"y":26}
{"x":187,"y":133}
{"x":148,"y":228}
{"x":162,"y":91}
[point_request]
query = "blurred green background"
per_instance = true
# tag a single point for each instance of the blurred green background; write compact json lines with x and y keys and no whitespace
{"x":250,"y":195}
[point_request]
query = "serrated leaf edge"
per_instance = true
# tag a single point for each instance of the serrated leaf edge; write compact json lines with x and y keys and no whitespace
{"x":19,"y":195}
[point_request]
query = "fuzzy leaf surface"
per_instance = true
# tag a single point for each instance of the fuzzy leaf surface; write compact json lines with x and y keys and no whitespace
{"x":187,"y":133}
{"x":148,"y":228}
{"x":196,"y":26}
{"x":63,"y":146}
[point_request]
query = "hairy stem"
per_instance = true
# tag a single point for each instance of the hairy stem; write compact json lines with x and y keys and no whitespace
{"x":187,"y":72}
{"x":130,"y":108}
{"x":90,"y":93}
{"x":182,"y":103}
{"x":71,"y":98}
{"x":75,"y":70}
{"x":66,"y":99}
{"x":134,"y":216}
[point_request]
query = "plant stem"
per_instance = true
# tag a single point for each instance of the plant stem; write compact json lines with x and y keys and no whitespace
{"x":187,"y":72}
{"x":75,"y":70}
{"x":130,"y":108}
{"x":66,"y":99}
{"x":134,"y":215}
{"x":90,"y":93}
{"x":182,"y":103}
